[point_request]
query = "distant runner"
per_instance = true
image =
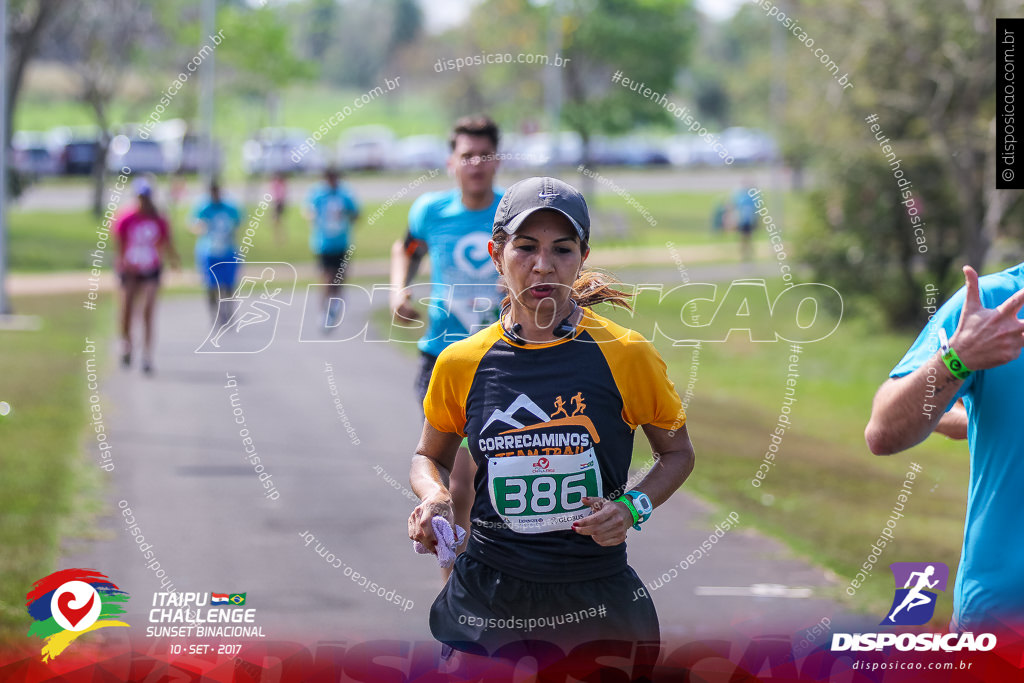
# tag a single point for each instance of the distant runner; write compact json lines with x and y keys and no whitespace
{"x":144,"y":239}
{"x":216,"y":221}
{"x":332,"y":210}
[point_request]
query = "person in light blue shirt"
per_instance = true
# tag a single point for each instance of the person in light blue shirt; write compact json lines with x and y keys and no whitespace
{"x":453,"y":227}
{"x":970,"y":350}
{"x":745,"y":218}
{"x":331,"y":210}
{"x":216,"y":221}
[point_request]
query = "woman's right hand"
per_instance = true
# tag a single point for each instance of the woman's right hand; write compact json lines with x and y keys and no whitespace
{"x":421,"y":521}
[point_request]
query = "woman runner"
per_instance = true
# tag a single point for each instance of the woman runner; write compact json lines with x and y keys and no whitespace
{"x":144,"y":238}
{"x":549,"y":398}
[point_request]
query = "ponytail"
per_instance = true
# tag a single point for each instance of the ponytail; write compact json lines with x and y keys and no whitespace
{"x":598,"y":287}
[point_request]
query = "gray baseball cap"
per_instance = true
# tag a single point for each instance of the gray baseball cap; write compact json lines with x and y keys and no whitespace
{"x":533,"y":194}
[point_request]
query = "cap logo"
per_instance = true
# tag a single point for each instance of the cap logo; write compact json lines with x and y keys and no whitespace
{"x":545,"y":195}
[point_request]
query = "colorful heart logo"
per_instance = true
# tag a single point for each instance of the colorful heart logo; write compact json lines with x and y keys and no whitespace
{"x":70,"y":613}
{"x":75,"y":605}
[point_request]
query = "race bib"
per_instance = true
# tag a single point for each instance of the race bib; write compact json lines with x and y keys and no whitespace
{"x":535,"y":494}
{"x":220,"y":234}
{"x":141,"y":257}
{"x":334,"y":223}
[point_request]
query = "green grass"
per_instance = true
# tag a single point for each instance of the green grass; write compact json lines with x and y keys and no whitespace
{"x":41,"y":241}
{"x":49,"y":488}
{"x":827,"y":496}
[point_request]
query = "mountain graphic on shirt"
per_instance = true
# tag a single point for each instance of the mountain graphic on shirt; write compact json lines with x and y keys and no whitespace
{"x":523,"y":401}
{"x":507,"y":415}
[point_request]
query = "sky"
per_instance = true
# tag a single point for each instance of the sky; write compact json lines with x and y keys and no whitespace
{"x":442,"y":14}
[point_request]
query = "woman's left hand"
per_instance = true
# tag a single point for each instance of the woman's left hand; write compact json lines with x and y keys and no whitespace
{"x":607,"y":523}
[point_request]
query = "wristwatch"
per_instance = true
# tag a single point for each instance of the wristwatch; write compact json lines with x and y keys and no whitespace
{"x":640,"y":506}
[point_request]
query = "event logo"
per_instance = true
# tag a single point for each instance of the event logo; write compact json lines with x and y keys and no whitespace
{"x":255,"y":306}
{"x":69,"y":603}
{"x":914,"y":603}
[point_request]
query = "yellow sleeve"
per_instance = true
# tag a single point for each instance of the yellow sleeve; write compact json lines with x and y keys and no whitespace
{"x":648,"y":395}
{"x":445,"y":403}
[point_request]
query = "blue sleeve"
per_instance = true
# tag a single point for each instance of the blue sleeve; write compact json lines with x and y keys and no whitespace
{"x":353,"y":205}
{"x":199,"y":210}
{"x":312,"y":198}
{"x":418,"y":215}
{"x":927,"y":343}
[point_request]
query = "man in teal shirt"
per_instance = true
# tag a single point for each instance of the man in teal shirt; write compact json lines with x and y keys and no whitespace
{"x":216,"y":222}
{"x":971,"y":350}
{"x":454,"y":227}
{"x":332,"y":210}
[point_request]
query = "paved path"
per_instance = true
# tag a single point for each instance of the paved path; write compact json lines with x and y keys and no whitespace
{"x":180,"y":467}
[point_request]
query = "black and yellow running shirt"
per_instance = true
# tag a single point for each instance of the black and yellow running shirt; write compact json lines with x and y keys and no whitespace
{"x":547,"y":425}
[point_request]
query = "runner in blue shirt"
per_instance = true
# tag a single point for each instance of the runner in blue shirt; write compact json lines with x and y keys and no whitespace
{"x":746,"y":218}
{"x":454,"y":227}
{"x":332,"y":210}
{"x":215,"y":221}
{"x":970,"y":350}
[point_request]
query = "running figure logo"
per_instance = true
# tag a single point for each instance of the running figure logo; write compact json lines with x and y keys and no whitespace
{"x":914,"y":603}
{"x":255,"y":306}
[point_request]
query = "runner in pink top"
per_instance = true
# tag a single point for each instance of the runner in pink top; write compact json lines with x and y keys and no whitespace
{"x":144,"y":237}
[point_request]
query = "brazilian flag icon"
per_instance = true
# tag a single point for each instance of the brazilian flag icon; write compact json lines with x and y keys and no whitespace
{"x":237,"y":598}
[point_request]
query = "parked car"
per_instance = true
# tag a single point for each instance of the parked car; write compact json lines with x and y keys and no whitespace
{"x":76,"y":150}
{"x":141,"y":156}
{"x":748,"y":145}
{"x":186,"y":151}
{"x":280,"y":150}
{"x":539,"y":149}
{"x":31,"y":155}
{"x":632,"y":150}
{"x":366,"y":148}
{"x":685,"y":150}
{"x":419,"y":152}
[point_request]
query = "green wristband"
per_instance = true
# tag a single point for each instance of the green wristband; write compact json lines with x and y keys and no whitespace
{"x":632,"y":508}
{"x":955,"y":365}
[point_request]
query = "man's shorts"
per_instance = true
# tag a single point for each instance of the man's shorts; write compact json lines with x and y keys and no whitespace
{"x":331,"y":262}
{"x":427,"y":363}
{"x":218,"y":270}
{"x":483,"y":607}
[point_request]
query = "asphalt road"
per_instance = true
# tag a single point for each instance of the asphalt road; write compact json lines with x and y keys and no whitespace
{"x":182,"y":471}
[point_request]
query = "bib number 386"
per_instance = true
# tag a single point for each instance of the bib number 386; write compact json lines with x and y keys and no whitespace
{"x":534,"y":495}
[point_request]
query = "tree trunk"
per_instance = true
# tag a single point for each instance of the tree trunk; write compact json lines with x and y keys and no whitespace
{"x":99,"y":169}
{"x":22,"y":47}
